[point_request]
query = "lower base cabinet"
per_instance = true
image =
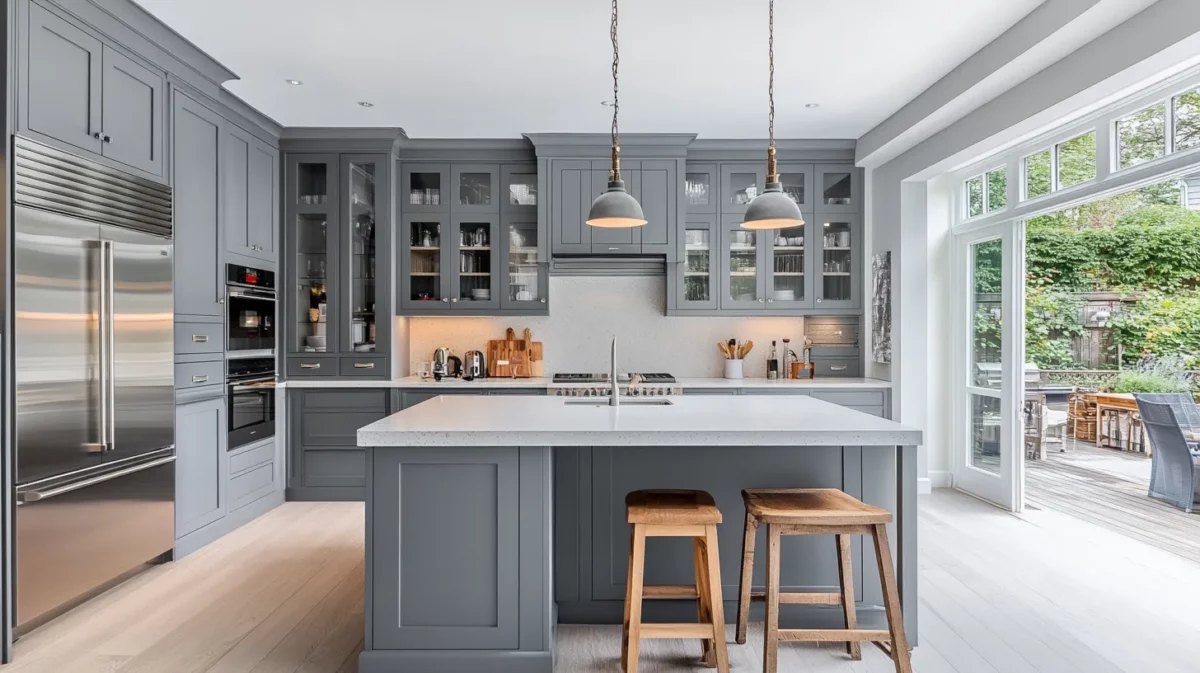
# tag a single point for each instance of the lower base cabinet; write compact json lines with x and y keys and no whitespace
{"x":201,"y":464}
{"x":326,"y":463}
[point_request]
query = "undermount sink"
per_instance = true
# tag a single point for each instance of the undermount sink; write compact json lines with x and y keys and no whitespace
{"x":625,"y":401}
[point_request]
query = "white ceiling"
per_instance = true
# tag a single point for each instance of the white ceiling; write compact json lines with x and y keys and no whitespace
{"x":492,"y":68}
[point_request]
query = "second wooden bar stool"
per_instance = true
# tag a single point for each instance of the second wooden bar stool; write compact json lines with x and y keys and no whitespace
{"x":819,"y":511}
{"x":665,"y":513}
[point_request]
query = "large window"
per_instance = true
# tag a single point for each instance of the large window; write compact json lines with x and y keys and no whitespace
{"x":987,"y":193}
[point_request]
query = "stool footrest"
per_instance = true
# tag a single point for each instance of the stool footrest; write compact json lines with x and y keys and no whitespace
{"x":835,"y":635}
{"x":703,"y":631}
{"x":662,"y":591}
{"x":801,"y":598}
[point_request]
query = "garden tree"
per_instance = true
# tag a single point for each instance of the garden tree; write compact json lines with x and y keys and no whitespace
{"x":1187,"y":120}
{"x":1142,"y":136}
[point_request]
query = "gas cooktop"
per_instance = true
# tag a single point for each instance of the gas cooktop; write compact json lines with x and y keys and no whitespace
{"x":572,"y":377}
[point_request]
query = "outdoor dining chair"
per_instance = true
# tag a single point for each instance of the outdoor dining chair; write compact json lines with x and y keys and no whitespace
{"x":1174,"y":465}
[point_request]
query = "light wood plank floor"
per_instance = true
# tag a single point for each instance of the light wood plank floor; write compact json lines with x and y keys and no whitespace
{"x":1043,"y":592}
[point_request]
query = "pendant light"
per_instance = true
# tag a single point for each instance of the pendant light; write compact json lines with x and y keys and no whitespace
{"x":615,"y":208}
{"x":772,"y":209}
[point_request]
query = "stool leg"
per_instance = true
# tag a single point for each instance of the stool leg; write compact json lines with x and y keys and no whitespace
{"x":715,"y":602}
{"x":747,"y":578}
{"x":638,"y":562}
{"x":703,"y":607}
{"x":846,"y":578}
{"x":891,"y":600}
{"x":628,"y":603}
{"x":771,"y":627}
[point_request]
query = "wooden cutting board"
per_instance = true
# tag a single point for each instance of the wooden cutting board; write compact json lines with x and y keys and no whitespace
{"x":508,"y":358}
{"x":537,"y":364}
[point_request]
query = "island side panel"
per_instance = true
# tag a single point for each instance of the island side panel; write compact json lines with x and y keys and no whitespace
{"x":460,"y":570}
{"x":592,"y":536}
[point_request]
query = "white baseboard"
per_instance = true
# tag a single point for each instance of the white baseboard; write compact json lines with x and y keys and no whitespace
{"x":941,"y":479}
{"x":924,"y":486}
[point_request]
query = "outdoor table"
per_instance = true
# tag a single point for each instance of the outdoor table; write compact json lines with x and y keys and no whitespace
{"x":1116,"y":403}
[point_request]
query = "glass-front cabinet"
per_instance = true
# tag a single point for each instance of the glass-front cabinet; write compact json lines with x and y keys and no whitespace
{"x":475,"y":188}
{"x":838,"y":189}
{"x":698,"y":267}
{"x":421,"y":261}
{"x":797,"y":182}
{"x":700,"y":188}
{"x":787,"y":284}
{"x":837,"y":266}
{"x":424,"y":188}
{"x":476,"y":260}
{"x":742,"y":269}
{"x":519,"y":189}
{"x":335,"y":206}
{"x":740,"y":183}
{"x":525,"y":269}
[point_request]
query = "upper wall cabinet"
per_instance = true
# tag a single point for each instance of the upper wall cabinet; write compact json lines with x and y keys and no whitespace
{"x":199,"y":281}
{"x":79,"y":93}
{"x":251,"y":196}
{"x":576,"y":183}
{"x":838,"y":189}
{"x":424,"y":188}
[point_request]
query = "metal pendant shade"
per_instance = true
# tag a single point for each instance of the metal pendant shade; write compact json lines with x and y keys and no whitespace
{"x":615,"y":208}
{"x":773,"y":209}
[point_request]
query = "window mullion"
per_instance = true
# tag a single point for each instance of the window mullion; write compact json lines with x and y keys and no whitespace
{"x":1106,"y":148}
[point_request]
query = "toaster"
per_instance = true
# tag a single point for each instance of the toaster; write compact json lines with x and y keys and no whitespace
{"x":474,"y":366}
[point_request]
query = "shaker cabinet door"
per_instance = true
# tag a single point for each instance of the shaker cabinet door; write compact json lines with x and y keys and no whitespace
{"x":60,"y":95}
{"x":658,"y":192}
{"x":572,"y":194}
{"x":237,"y":191}
{"x":133,"y":96}
{"x":199,"y":283}
{"x":201,"y":464}
{"x":263,"y":207}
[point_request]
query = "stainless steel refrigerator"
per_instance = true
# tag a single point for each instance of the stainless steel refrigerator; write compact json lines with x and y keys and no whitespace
{"x":95,"y":426}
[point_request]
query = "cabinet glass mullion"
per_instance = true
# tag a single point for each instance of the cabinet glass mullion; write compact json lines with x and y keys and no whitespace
{"x":475,"y":258}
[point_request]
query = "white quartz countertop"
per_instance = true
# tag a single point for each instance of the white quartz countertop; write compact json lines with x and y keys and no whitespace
{"x":543,"y":382}
{"x":699,"y":420}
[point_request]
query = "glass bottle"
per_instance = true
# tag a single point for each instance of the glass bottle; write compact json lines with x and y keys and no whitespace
{"x":772,"y":363}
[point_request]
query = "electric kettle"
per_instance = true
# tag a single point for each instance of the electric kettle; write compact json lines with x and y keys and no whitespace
{"x":441,"y":363}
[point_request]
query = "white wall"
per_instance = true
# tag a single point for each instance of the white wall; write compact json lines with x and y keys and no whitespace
{"x":588,"y":311}
{"x":1146,"y":47}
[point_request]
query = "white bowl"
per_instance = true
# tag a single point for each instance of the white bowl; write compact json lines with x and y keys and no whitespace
{"x":315,"y":341}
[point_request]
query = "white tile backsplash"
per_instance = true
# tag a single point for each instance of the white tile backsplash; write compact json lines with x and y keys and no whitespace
{"x":588,"y":311}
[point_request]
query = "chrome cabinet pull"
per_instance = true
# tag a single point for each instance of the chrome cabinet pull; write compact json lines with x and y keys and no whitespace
{"x":445,"y":300}
{"x":310,"y":365}
{"x":200,"y":378}
{"x":454,"y":300}
{"x":837,"y":368}
{"x":364,"y":365}
{"x":199,"y":338}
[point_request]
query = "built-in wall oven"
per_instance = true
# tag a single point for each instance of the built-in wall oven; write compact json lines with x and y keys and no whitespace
{"x":250,"y":325}
{"x":251,"y":400}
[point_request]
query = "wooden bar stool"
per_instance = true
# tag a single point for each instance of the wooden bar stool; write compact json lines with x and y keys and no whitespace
{"x":664,"y":513}
{"x":819,"y":511}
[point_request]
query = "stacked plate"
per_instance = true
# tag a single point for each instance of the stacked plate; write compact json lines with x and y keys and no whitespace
{"x":481,"y":294}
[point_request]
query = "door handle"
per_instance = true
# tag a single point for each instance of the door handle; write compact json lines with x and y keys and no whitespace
{"x":310,"y":365}
{"x":35,"y":496}
{"x":111,"y":327}
{"x":837,"y":368}
{"x":107,"y":139}
{"x":105,"y":336}
{"x":199,"y":338}
{"x":364,"y":365}
{"x":200,"y":379}
{"x":96,"y":135}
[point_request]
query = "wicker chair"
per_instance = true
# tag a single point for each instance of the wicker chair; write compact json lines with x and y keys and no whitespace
{"x":1174,"y":467}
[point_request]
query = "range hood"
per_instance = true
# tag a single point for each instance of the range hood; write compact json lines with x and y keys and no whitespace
{"x":608,"y":265}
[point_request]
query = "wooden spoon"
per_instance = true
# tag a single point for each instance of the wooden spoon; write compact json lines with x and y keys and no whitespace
{"x":724,"y":349}
{"x":746,"y":349}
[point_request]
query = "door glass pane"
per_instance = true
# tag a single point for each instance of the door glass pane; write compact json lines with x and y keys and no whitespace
{"x":986,"y":275}
{"x":312,"y":187}
{"x":793,"y":186}
{"x":836,"y":189}
{"x":696,"y":187}
{"x":362,"y":257}
{"x":522,"y":189}
{"x":836,"y":254}
{"x":985,"y":433}
{"x":696,"y":276}
{"x":312,"y":274}
{"x":475,"y":261}
{"x":425,"y":189}
{"x":743,"y":187}
{"x":523,"y":262}
{"x":788,"y":267}
{"x":425,"y":261}
{"x":743,"y":266}
{"x":475,"y":189}
{"x":1142,"y":136}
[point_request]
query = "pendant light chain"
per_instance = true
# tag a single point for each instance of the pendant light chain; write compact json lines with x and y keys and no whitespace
{"x":615,"y":173}
{"x":771,"y":174}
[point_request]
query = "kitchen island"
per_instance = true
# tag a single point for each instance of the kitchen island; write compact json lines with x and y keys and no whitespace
{"x":490,"y":519}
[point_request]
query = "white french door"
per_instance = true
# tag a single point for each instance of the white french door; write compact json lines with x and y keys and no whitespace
{"x":988,"y":369}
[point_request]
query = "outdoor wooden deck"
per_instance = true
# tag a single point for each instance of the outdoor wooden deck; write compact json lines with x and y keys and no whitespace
{"x":1108,"y":488}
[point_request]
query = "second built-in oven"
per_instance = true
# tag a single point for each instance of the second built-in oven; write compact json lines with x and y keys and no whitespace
{"x":250,"y":325}
{"x":251,"y":400}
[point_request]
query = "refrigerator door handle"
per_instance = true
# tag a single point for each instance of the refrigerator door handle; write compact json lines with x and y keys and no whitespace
{"x":109,"y":329}
{"x":27,"y":497}
{"x":104,"y":342}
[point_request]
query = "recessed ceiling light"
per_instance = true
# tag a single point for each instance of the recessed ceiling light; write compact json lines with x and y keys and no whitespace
{"x":812,"y":105}
{"x":294,"y":82}
{"x":366,"y":103}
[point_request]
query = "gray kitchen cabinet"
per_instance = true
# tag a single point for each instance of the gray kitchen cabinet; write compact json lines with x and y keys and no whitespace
{"x":251,"y":183}
{"x":423,"y":251}
{"x":700,"y":189}
{"x":254,"y":474}
{"x":201,"y":464}
{"x":742,"y":266}
{"x":61,"y":81}
{"x":519,"y":190}
{"x":524,"y":267}
{"x":474,"y":189}
{"x":196,"y":138}
{"x":573,"y":185}
{"x":838,"y":261}
{"x":132,"y":113}
{"x":80,"y":93}
{"x":446,"y":548}
{"x":787,"y":266}
{"x":740,"y":183}
{"x":310,"y":232}
{"x":424,"y":188}
{"x":411,"y":398}
{"x":796,"y":179}
{"x":325,"y":461}
{"x":658,"y":192}
{"x":365,"y":226}
{"x":624,"y":241}
{"x":474,"y":274}
{"x":838,"y":189}
{"x":697,"y":275}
